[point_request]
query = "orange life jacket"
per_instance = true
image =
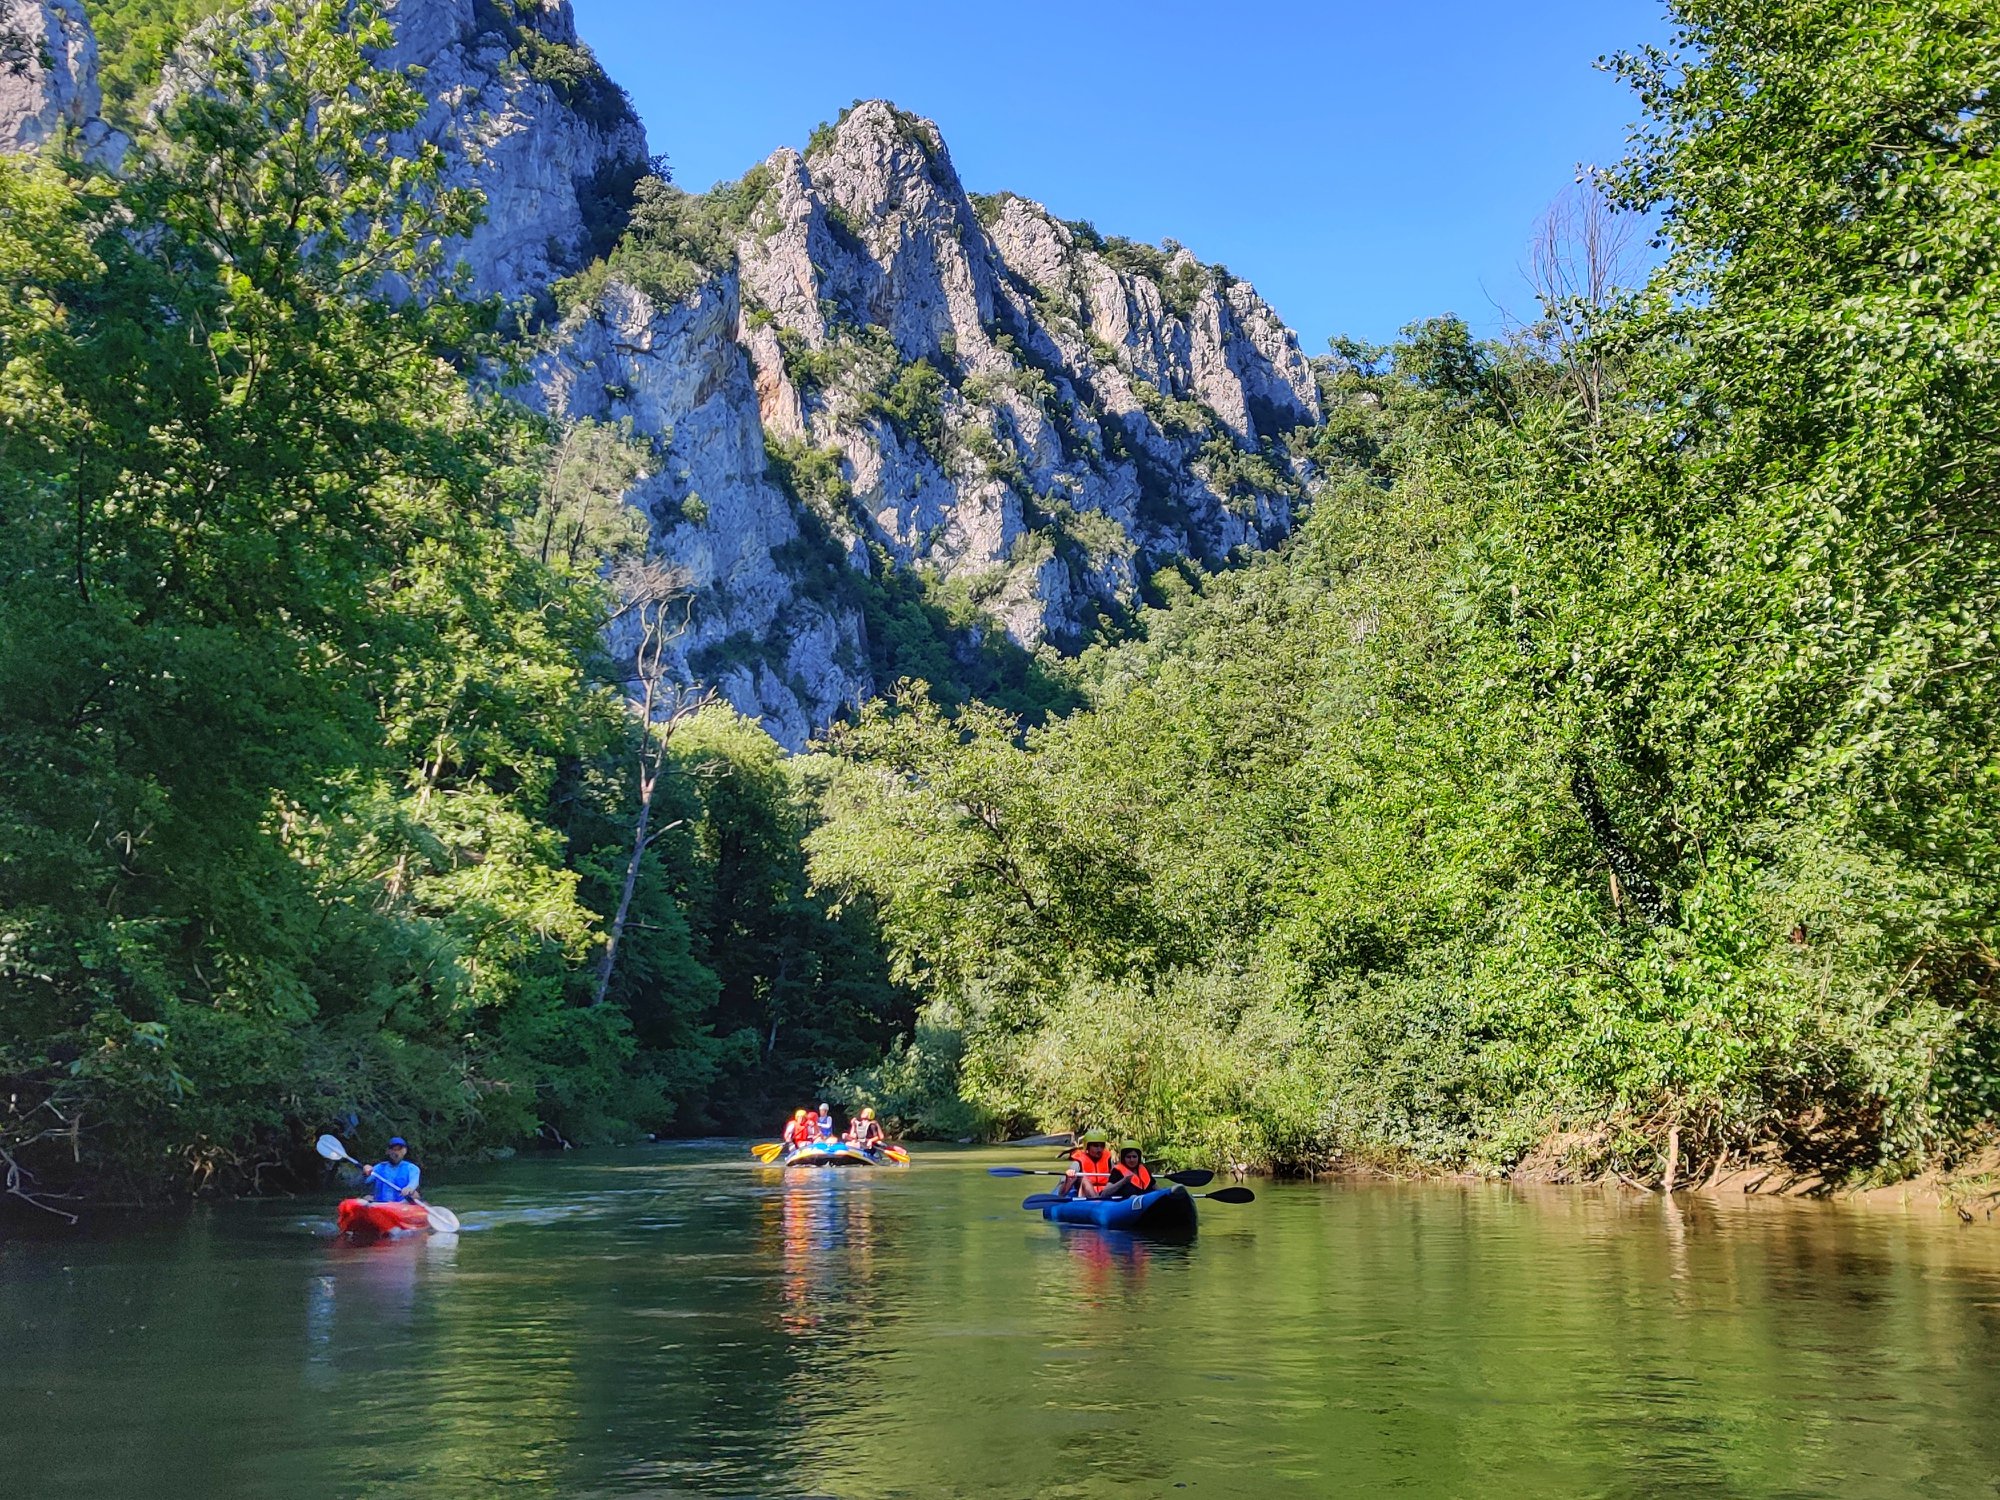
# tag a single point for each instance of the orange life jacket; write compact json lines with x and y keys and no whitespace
{"x":1096,"y":1172}
{"x":1141,"y":1177}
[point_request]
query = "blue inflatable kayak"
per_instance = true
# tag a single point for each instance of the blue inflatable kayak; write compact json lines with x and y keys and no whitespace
{"x":839,"y":1154}
{"x":1165,"y":1210}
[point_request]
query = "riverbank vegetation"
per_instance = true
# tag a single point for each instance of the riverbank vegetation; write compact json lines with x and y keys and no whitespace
{"x":317,"y":784}
{"x":1605,"y":778}
{"x":1602,"y":779}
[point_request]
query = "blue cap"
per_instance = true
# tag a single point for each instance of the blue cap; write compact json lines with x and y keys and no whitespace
{"x":397,"y":1140}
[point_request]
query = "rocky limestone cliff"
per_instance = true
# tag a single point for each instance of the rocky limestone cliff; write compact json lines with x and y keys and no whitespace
{"x":1092,"y":421}
{"x":528,"y":118}
{"x":48,"y":81}
{"x":1030,"y":417}
{"x":524,"y":115}
{"x":764,"y":628}
{"x":883,"y":406}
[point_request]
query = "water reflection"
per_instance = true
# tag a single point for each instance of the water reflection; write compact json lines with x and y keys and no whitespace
{"x":665,"y":1324}
{"x":1109,"y":1261}
{"x":820,"y":1230}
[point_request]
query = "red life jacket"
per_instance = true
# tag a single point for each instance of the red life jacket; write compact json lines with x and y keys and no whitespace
{"x":1096,"y":1173}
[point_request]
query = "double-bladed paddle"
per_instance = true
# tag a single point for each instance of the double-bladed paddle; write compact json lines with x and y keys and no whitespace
{"x":442,"y":1220}
{"x":1194,"y":1178}
{"x":1220,"y":1195}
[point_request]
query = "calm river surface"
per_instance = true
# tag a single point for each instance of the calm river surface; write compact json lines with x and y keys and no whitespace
{"x":675,"y":1321}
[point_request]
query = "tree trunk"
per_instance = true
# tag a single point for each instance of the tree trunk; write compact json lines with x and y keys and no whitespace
{"x":647,"y":781}
{"x":1626,"y":868}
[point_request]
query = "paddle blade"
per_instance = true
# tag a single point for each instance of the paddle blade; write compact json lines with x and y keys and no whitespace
{"x":768,"y":1151}
{"x":897,"y":1154}
{"x":1196,"y":1178}
{"x":443,"y":1220}
{"x":1231,"y":1195}
{"x":1040,"y":1200}
{"x":1010,"y":1172}
{"x":331,"y":1149}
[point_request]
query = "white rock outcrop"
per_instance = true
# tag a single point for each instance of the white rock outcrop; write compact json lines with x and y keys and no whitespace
{"x":48,"y":81}
{"x":768,"y":625}
{"x":553,"y":162}
{"x":882,"y":375}
{"x":1012,"y":405}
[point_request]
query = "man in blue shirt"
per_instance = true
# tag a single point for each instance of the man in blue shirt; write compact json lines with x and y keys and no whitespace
{"x":395,"y":1180}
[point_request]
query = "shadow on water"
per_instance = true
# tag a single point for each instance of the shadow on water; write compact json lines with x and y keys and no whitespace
{"x":681,"y":1322}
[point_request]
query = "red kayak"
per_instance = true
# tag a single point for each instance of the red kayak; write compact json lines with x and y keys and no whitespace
{"x":365,"y":1220}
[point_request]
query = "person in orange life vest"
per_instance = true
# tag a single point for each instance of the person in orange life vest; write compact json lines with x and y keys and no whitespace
{"x":1089,"y":1167}
{"x":1130,"y":1176}
{"x":824,"y":1124}
{"x":862,"y":1131}
{"x":798,"y":1131}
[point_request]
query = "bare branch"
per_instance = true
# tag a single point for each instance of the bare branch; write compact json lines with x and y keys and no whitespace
{"x":1582,"y":260}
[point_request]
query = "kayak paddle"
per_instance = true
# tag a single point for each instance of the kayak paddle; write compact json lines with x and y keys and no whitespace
{"x":1222,"y":1195}
{"x":442,"y":1220}
{"x":1195,"y":1178}
{"x":768,"y":1151}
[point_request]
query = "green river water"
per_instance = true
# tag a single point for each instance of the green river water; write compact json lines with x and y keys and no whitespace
{"x":675,"y":1321}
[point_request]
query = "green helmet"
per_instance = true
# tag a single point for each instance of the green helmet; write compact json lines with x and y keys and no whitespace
{"x":1130,"y":1145}
{"x":1096,"y":1138}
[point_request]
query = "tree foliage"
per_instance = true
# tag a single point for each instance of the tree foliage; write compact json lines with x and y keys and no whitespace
{"x":312,"y":766}
{"x":1606,"y":774}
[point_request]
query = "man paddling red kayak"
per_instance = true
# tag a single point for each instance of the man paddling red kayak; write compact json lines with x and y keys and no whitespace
{"x":395,"y":1204}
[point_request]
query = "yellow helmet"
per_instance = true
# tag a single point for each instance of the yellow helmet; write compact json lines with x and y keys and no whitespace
{"x":867,"y":1114}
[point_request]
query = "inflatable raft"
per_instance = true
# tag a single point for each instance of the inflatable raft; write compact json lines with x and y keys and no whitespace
{"x":838,"y":1154}
{"x":365,"y":1220}
{"x":1165,"y":1210}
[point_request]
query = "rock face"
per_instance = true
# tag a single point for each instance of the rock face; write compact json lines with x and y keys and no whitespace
{"x":866,"y":386}
{"x":768,"y":625}
{"x":527,"y":118}
{"x":524,"y":115}
{"x":50,"y":88}
{"x":1101,"y":408}
{"x":1020,"y":412}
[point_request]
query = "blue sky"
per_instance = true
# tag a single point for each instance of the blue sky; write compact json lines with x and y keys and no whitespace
{"x":1362,"y":164}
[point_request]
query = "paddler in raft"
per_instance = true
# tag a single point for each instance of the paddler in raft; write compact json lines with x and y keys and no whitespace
{"x":1130,"y":1176}
{"x":798,"y":1131}
{"x":1090,"y":1167}
{"x":824,"y":1124}
{"x":863,"y":1133}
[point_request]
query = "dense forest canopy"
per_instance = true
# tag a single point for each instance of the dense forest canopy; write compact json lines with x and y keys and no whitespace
{"x":1603,"y":778}
{"x":317,"y":781}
